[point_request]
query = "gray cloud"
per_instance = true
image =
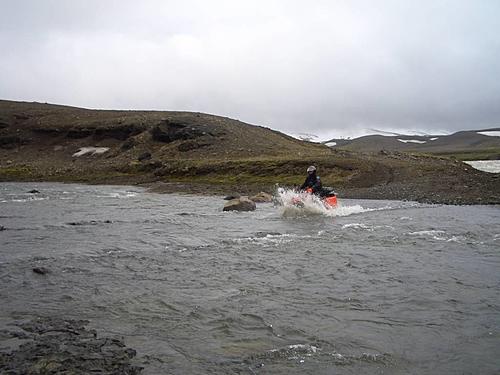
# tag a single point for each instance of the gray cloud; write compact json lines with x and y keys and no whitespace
{"x":330,"y":68}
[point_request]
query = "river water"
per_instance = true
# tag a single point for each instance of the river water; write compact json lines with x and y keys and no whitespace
{"x":376,"y":287}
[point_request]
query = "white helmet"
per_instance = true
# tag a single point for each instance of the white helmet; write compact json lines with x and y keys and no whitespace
{"x":312,"y":168}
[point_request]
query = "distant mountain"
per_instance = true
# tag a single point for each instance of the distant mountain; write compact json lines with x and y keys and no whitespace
{"x":465,"y":143}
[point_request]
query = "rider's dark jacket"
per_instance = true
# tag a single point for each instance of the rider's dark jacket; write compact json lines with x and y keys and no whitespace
{"x":312,"y":181}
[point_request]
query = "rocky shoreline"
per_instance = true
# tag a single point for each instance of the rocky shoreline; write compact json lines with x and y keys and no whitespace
{"x":50,"y":345}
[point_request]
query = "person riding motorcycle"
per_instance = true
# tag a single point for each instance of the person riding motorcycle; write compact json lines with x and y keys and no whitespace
{"x":312,"y":181}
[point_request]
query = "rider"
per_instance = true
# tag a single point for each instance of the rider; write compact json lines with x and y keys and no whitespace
{"x":312,"y":181}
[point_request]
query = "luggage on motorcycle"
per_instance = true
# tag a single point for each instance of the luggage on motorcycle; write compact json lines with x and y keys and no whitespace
{"x":327,"y":192}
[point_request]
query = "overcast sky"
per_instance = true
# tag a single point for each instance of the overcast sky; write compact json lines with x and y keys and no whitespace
{"x":331,"y":68}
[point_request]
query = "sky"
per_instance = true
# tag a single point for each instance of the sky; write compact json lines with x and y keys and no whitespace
{"x":331,"y":68}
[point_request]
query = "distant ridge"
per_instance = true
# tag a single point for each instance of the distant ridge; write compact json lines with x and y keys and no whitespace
{"x":467,"y":141}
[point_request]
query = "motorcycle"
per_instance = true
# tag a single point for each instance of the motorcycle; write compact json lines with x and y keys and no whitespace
{"x":327,"y":197}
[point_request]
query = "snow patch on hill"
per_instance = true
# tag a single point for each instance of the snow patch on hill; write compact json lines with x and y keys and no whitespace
{"x":411,"y":141}
{"x":494,"y":133}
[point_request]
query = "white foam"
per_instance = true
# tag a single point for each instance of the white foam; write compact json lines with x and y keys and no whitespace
{"x":493,"y":133}
{"x":271,"y":239}
{"x":29,"y":199}
{"x":438,"y":235}
{"x":427,"y":233}
{"x":90,"y":150}
{"x":356,"y":226}
{"x":312,"y":205}
{"x":120,"y":195}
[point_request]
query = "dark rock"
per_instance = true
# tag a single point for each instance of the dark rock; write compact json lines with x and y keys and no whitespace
{"x":191,"y":145}
{"x":41,"y":270}
{"x":2,"y":228}
{"x":51,"y":132}
{"x":21,"y":116}
{"x":120,"y":132}
{"x":34,"y":191}
{"x":144,"y":156}
{"x":240,"y":204}
{"x":10,"y":141}
{"x":128,"y":144}
{"x":232,"y":196}
{"x":169,"y":131}
{"x":150,"y":166}
{"x":91,"y":222}
{"x":78,"y":133}
{"x":63,"y":346}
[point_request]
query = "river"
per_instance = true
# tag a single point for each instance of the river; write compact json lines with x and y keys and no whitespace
{"x":377,"y":287}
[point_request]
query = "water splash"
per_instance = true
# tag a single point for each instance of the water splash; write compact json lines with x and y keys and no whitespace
{"x":311,"y":205}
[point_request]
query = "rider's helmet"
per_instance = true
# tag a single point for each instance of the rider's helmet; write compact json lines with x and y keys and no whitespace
{"x":311,"y":169}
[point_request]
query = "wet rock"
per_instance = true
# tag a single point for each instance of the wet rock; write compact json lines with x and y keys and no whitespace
{"x":34,"y":191}
{"x":91,"y":222}
{"x":41,"y":270}
{"x":262,"y":197}
{"x":2,"y":228}
{"x":62,"y":346}
{"x":240,"y":204}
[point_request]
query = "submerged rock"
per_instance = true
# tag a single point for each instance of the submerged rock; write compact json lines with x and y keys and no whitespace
{"x":262,"y":197}
{"x":34,"y":191}
{"x":240,"y":204}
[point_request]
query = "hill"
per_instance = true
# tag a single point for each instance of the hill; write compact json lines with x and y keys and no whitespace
{"x":197,"y":152}
{"x":463,"y":145}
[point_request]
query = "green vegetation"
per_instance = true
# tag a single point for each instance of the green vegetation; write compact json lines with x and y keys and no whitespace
{"x":16,"y":173}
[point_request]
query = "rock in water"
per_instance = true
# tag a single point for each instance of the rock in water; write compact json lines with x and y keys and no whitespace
{"x":232,"y":196}
{"x":63,"y":346}
{"x":240,"y":204}
{"x":34,"y":191}
{"x":262,"y":197}
{"x":41,"y":270}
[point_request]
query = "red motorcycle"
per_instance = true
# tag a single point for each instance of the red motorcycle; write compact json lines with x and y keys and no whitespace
{"x":327,"y":196}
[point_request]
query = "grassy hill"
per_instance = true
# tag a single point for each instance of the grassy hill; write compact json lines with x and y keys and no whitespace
{"x":196,"y":152}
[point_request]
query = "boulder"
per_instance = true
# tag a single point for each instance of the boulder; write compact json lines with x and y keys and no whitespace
{"x":240,"y":204}
{"x":262,"y":197}
{"x":34,"y":191}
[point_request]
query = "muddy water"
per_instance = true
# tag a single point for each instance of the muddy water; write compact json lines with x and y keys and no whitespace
{"x":377,"y":287}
